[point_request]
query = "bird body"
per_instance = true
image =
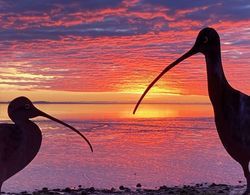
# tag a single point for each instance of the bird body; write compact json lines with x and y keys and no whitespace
{"x":21,"y":141}
{"x":231,"y":107}
{"x":19,"y":147}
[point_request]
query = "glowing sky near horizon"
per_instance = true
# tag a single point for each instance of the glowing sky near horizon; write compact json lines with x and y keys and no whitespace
{"x":118,"y":45}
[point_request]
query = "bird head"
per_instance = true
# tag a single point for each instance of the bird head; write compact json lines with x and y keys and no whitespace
{"x":22,"y":109}
{"x":207,"y":41}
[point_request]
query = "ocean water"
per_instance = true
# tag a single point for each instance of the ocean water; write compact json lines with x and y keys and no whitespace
{"x":161,"y":145}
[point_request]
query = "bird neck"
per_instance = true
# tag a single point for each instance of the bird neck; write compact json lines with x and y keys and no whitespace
{"x":26,"y":125}
{"x":20,"y":121}
{"x":217,"y":83}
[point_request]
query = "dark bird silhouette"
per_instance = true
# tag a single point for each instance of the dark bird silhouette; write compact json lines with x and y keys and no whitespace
{"x":21,"y":141}
{"x":231,"y":107}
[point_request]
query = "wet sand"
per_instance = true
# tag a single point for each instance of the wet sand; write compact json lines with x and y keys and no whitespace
{"x":203,"y":188}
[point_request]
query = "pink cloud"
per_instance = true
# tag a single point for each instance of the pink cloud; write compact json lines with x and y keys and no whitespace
{"x":117,"y":49}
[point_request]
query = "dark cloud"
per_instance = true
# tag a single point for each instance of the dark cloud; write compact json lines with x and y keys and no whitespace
{"x":31,"y":20}
{"x":210,"y":9}
{"x":109,"y":26}
{"x":63,"y":5}
{"x":180,"y":4}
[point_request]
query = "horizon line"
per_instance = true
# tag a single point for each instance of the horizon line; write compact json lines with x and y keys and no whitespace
{"x":107,"y":102}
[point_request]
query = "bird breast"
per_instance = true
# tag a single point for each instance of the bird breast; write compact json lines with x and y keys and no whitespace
{"x":19,"y":144}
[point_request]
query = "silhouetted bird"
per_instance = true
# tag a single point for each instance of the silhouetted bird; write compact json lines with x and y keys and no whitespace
{"x":21,"y":141}
{"x":231,"y":107}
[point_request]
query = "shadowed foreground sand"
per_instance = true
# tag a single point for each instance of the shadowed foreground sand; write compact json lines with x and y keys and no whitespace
{"x":186,"y":189}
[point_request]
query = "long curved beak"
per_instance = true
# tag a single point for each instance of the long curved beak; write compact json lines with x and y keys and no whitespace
{"x":185,"y":56}
{"x":65,"y":124}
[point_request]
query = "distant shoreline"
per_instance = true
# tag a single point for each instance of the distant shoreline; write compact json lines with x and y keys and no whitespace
{"x":170,"y":103}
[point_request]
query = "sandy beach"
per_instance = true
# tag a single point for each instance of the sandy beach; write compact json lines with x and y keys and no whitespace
{"x":202,"y":188}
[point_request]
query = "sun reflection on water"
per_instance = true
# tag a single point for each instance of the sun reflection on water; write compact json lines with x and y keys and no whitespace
{"x":149,"y":111}
{"x":111,"y":111}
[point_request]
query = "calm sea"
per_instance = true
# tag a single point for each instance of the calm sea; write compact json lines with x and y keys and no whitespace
{"x":163,"y":144}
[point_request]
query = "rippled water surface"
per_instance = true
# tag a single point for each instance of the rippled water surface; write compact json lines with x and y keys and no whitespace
{"x":162,"y":145}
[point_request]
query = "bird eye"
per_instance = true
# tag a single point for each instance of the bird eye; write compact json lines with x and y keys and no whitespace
{"x":205,"y":39}
{"x":27,"y":106}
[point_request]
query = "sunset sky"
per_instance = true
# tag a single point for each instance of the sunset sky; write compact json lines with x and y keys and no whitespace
{"x":110,"y":50}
